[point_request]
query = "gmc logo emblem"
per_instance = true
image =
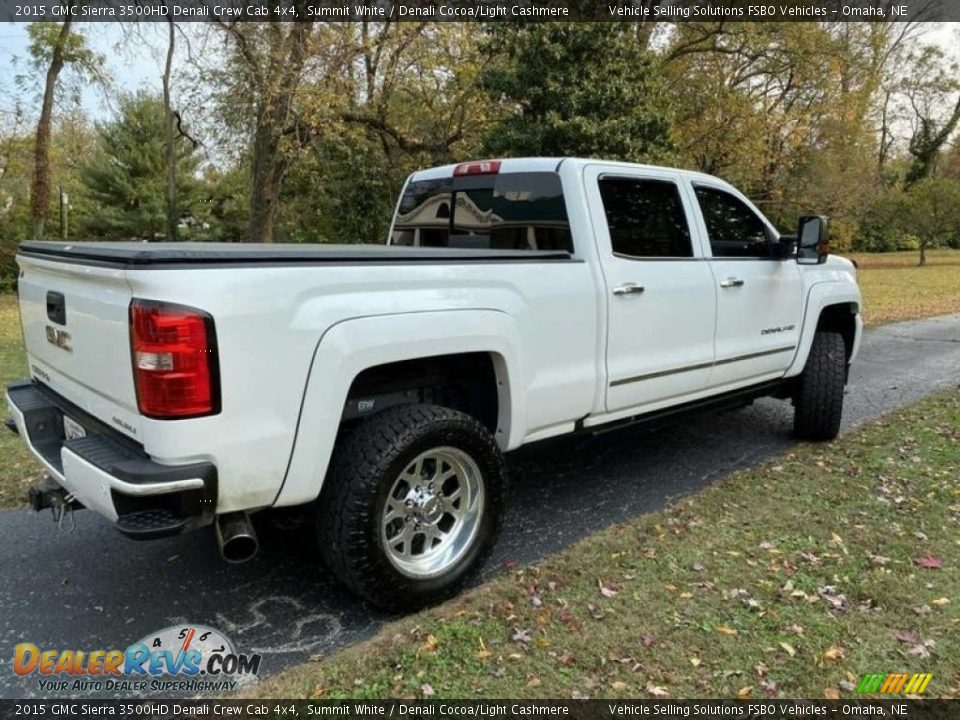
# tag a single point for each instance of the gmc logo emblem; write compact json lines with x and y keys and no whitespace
{"x":60,"y":338}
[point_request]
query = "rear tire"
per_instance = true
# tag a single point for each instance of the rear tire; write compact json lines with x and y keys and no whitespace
{"x":411,"y":506}
{"x":818,"y":399}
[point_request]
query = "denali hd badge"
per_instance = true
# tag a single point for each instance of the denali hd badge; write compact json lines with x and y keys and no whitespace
{"x":60,"y":338}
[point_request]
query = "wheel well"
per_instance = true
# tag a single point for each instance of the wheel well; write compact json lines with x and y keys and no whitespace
{"x":842,"y":319}
{"x":466,"y":382}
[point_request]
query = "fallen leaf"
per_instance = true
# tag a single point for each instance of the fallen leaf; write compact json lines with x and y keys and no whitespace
{"x":430,"y":645}
{"x":831,"y":693}
{"x":646,"y":640}
{"x":695,"y":661}
{"x":940,"y":602}
{"x":931,"y":562}
{"x":833,"y":654}
{"x":533,"y":681}
{"x":725,"y":630}
{"x":427,"y":690}
{"x":595,"y":612}
{"x":657,"y":690}
{"x":788,"y":649}
{"x":744,"y":692}
{"x":607,"y":592}
{"x":619,"y":685}
{"x":907,"y":636}
{"x":919,"y":650}
{"x":521,"y":635}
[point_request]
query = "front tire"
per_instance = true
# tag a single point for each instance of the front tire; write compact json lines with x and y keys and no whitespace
{"x":412,"y":505}
{"x":818,"y":399}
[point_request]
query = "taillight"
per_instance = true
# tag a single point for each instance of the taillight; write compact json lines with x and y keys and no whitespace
{"x":175,"y":367}
{"x":482,"y":167}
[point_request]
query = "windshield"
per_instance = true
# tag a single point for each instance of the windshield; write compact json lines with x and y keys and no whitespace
{"x":512,"y":211}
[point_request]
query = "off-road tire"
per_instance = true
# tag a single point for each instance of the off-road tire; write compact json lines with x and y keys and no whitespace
{"x":818,"y":398}
{"x":366,"y":462}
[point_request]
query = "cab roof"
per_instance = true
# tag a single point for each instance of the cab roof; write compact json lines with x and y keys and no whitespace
{"x":553,"y":164}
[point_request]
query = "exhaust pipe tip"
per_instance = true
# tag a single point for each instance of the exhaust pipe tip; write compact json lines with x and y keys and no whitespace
{"x":236,"y":537}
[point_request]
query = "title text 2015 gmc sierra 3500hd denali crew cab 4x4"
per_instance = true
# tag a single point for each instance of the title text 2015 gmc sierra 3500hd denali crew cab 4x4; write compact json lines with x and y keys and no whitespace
{"x":177,"y":385}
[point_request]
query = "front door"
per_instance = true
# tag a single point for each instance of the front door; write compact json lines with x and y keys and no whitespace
{"x":660,"y":293}
{"x":759,"y":297}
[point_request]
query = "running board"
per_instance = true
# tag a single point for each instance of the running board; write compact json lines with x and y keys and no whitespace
{"x":671,"y":415}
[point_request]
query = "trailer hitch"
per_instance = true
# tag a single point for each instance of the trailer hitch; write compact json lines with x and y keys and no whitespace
{"x":48,"y":494}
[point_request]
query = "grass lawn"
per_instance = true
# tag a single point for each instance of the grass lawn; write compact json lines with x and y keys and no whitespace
{"x":793,"y":579}
{"x":894,"y":288}
{"x":18,"y":469}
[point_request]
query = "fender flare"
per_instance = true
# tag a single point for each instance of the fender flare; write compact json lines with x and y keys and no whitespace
{"x":821,"y":296}
{"x":357,"y":344}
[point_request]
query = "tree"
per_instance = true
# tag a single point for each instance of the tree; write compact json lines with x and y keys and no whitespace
{"x":930,"y":210}
{"x":127,"y":174}
{"x":929,"y":90}
{"x":586,"y":89}
{"x":53,"y":45}
{"x":268,"y":61}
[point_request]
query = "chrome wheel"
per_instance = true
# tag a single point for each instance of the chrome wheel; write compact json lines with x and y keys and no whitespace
{"x":432,"y":512}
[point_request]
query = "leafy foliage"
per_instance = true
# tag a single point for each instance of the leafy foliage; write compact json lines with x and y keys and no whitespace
{"x":125,"y":174}
{"x":586,"y":89}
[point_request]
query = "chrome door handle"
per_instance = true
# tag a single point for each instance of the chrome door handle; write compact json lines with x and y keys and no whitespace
{"x":628,"y":289}
{"x":731,"y":282}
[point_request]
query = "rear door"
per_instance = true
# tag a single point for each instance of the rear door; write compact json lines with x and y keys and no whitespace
{"x":661,"y":298}
{"x":76,"y":330}
{"x":759,"y":297}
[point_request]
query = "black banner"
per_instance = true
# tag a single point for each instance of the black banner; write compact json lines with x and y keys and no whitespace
{"x":480,"y":10}
{"x":761,"y":709}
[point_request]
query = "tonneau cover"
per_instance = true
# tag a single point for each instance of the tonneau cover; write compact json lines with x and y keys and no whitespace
{"x":162,"y":254}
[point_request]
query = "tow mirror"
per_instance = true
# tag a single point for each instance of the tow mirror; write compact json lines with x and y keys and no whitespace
{"x":813,"y":245}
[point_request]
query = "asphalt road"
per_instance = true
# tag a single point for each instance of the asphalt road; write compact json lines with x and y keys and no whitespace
{"x":94,"y":589}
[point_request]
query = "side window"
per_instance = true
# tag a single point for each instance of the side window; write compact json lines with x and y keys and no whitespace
{"x":645,"y":218}
{"x":733,"y":228}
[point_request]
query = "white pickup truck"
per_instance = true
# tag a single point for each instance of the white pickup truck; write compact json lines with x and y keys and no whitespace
{"x":174,"y":386}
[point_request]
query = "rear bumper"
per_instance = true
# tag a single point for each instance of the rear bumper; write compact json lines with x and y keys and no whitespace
{"x":107,"y":472}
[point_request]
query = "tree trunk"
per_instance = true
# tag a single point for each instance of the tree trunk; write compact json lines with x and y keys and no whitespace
{"x":276,"y":136}
{"x":923,"y":254}
{"x":40,"y":186}
{"x":267,"y":170}
{"x":169,"y":141}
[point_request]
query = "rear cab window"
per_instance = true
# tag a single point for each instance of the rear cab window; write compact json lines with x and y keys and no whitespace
{"x":645,"y":218}
{"x":503,"y":211}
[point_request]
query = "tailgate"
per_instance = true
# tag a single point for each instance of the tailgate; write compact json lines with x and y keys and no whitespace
{"x":76,"y":330}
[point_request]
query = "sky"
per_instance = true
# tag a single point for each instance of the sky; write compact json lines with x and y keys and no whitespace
{"x":139,"y":64}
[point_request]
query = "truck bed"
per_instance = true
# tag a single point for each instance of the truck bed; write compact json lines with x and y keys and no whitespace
{"x":143,"y":255}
